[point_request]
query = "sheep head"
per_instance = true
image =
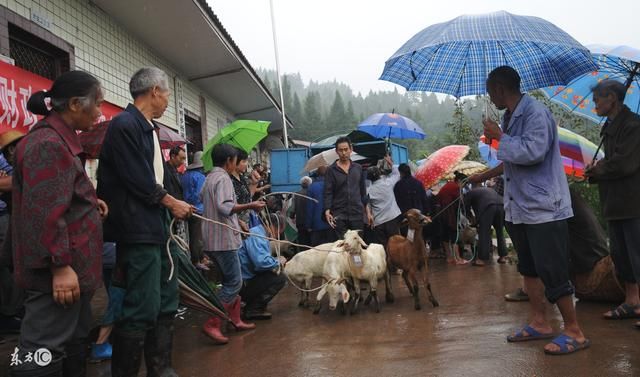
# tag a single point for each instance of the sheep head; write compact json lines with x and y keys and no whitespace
{"x":337,"y":290}
{"x":353,"y":243}
{"x":415,"y":219}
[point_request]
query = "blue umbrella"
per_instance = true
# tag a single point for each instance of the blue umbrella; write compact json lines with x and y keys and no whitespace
{"x":455,"y":57}
{"x":620,"y":63}
{"x":391,"y":125}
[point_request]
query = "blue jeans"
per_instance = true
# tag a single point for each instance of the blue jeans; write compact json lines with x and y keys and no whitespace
{"x":229,"y":264}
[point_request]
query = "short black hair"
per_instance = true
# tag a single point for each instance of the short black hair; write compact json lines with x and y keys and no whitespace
{"x":373,"y":173}
{"x":459,"y":176}
{"x":175,"y":151}
{"x":404,"y":169}
{"x":343,"y":139}
{"x":242,"y":155}
{"x":255,"y":166}
{"x":221,"y":153}
{"x":505,"y":76}
{"x":609,"y":86}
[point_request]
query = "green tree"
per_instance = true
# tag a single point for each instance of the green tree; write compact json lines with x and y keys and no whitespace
{"x":337,"y":118}
{"x":295,"y":111}
{"x":461,"y":131}
{"x":312,"y":122}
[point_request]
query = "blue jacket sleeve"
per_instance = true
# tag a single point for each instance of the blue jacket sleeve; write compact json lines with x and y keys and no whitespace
{"x":260,"y":254}
{"x":531,"y":147}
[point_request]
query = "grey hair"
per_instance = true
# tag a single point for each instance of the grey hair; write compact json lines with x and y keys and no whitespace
{"x":609,"y":86}
{"x":305,"y":181}
{"x":145,"y":79}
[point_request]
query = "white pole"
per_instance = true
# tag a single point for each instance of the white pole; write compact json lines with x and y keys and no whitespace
{"x":275,"y":48}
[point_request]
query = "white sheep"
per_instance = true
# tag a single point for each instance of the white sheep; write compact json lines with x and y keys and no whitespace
{"x":368,"y":263}
{"x":306,"y":265}
{"x":335,"y":273}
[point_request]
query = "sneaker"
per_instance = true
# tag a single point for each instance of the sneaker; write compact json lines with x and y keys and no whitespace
{"x":100,"y":352}
{"x":518,"y":295}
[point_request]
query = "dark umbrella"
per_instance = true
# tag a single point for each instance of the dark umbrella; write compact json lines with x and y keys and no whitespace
{"x":195,"y":291}
{"x":92,"y":140}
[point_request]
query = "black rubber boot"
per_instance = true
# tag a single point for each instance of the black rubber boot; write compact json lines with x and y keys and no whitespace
{"x":127,"y":354}
{"x":74,"y":363}
{"x":158,"y":345}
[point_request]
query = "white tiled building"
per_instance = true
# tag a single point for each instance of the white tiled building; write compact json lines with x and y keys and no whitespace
{"x":113,"y":38}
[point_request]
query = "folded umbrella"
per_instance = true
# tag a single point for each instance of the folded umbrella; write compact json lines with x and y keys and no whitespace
{"x":195,"y":291}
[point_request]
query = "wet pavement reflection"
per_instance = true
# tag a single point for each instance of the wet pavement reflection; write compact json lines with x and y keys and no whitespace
{"x":465,"y":336}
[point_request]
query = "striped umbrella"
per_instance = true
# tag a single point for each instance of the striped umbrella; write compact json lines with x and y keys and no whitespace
{"x":575,"y":149}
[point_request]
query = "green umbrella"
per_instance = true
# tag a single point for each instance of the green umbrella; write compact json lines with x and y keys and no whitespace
{"x":195,"y":291}
{"x":244,"y":134}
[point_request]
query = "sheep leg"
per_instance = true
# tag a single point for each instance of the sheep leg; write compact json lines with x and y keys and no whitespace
{"x":416,"y":290}
{"x":375,"y":300}
{"x":405,"y":276}
{"x":387,"y":287}
{"x":316,"y":310}
{"x":427,"y":284}
{"x":356,"y":298}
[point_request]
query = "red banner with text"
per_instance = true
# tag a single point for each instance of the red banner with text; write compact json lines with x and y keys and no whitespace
{"x":16,"y":86}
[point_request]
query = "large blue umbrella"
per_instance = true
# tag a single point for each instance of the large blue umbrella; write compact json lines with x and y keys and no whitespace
{"x":455,"y":57}
{"x":391,"y":125}
{"x":620,"y":63}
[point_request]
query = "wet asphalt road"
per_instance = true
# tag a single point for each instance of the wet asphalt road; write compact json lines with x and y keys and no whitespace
{"x":465,"y":336}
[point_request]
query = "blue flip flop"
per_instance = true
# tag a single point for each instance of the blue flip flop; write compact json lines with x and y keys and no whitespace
{"x":533,"y":334}
{"x":564,"y":341}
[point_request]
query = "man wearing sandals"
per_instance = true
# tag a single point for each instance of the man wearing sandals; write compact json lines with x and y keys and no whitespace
{"x":537,"y":206}
{"x":617,"y":175}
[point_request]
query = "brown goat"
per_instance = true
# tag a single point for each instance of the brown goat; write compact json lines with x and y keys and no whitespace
{"x":410,"y":256}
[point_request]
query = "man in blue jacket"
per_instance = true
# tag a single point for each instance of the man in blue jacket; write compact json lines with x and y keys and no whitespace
{"x":320,"y":231}
{"x":130,"y":177}
{"x":192,"y":182}
{"x":537,"y":206}
{"x":261,"y":279}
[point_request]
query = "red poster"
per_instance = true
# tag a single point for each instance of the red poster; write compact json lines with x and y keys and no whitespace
{"x":16,"y":86}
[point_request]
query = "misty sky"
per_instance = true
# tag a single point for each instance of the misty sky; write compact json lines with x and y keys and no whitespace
{"x":349,"y":40}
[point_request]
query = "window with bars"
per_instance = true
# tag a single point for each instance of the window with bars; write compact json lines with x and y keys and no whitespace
{"x":36,"y":55}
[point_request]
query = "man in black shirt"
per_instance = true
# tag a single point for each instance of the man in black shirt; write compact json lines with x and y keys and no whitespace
{"x":171,"y":181}
{"x":345,"y":193}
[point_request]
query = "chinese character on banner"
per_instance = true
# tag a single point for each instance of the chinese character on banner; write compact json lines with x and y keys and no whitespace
{"x":16,"y":86}
{"x":15,"y":358}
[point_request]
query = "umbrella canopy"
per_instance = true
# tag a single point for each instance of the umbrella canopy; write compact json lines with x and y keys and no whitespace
{"x":440,"y":163}
{"x":243,"y":134}
{"x":467,"y":168}
{"x":575,"y":149}
{"x":620,"y":63}
{"x":455,"y":57}
{"x":327,"y":158}
{"x":91,"y":141}
{"x":391,"y":125}
{"x":195,"y":291}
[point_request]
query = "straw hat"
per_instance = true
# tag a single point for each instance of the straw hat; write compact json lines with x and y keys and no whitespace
{"x":197,"y":161}
{"x":10,"y":137}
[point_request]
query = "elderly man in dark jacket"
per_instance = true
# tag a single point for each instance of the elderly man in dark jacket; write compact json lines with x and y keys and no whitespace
{"x":618,"y":177}
{"x":130,"y":178}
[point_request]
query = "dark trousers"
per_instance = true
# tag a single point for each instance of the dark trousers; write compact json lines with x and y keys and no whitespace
{"x":195,"y":239}
{"x":543,"y":251}
{"x":493,"y":216}
{"x":343,"y":225}
{"x":624,"y":238}
{"x":304,"y":237}
{"x":384,"y":231}
{"x":61,"y":330}
{"x":143,"y":270}
{"x":318,"y":237}
{"x":260,"y":290}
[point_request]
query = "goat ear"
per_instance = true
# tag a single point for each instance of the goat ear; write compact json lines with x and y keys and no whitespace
{"x":404,"y":221}
{"x":361,"y":241}
{"x":321,"y":294}
{"x":345,"y":294}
